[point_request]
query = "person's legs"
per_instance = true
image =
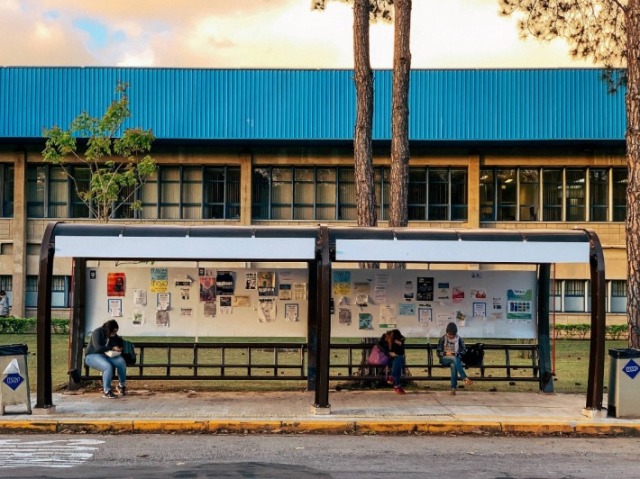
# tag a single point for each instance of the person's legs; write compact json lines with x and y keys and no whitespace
{"x":460,"y":368}
{"x":396,"y":370}
{"x":101,"y":363}
{"x":121,"y":366}
{"x":450,"y":361}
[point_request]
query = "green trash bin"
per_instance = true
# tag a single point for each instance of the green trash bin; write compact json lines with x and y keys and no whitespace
{"x":14,"y":377}
{"x":624,"y":383}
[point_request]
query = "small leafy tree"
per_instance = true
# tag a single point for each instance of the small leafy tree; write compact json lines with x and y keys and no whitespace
{"x":118,"y":164}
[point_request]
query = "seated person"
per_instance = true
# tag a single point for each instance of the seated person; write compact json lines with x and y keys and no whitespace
{"x":104,"y":340}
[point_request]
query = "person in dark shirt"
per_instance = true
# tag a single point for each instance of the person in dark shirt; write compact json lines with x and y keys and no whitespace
{"x":450,"y":349}
{"x":103,"y":343}
{"x":392,"y":343}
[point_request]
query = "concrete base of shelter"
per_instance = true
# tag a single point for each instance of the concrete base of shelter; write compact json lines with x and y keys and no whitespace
{"x":321,"y":411}
{"x":44,"y":411}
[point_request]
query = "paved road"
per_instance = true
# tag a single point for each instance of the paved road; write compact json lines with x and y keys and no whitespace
{"x":310,"y":457}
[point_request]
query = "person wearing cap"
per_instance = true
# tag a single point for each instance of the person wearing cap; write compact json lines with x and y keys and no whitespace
{"x":450,"y":349}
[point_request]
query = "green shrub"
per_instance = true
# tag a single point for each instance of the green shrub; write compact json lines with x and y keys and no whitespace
{"x":582,"y":330}
{"x":30,"y":326}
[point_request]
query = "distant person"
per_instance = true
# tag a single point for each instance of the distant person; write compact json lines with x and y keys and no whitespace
{"x":450,"y":349}
{"x":103,"y":343}
{"x":4,"y":304}
{"x":392,"y":343}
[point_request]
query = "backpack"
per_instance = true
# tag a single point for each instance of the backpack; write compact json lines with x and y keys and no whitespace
{"x":474,"y":355}
{"x":129,"y":353}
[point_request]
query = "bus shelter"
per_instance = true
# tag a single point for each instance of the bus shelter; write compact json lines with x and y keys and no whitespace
{"x":321,"y":248}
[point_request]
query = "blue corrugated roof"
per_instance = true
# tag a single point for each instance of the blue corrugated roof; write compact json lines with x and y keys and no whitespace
{"x":201,"y":104}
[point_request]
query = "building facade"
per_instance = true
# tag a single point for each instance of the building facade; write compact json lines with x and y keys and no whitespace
{"x":508,"y":149}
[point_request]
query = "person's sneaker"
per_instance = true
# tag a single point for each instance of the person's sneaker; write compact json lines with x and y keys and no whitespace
{"x":468,"y":381}
{"x":122,"y":390}
{"x":390,"y":380}
{"x":109,"y":395}
{"x":453,"y":392}
{"x":399,"y":390}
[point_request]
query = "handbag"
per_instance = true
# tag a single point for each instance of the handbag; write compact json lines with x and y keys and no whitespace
{"x":377,"y":357}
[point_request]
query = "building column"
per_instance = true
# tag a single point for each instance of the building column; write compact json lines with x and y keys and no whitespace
{"x":19,"y":234}
{"x":246,"y":176}
{"x":473,"y":213}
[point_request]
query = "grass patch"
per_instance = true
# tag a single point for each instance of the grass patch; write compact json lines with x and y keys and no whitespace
{"x":571,"y":368}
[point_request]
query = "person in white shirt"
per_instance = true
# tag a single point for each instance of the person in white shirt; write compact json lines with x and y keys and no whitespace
{"x":4,"y":304}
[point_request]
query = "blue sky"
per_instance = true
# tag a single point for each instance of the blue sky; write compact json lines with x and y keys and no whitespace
{"x":257,"y":34}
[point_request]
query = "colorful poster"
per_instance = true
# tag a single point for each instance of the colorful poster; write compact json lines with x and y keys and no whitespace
{"x":159,"y":280}
{"x":519,"y":304}
{"x":207,"y":289}
{"x":116,"y":284}
{"x":341,"y":283}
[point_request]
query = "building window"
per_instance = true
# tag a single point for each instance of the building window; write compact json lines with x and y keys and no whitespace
{"x":6,"y":183}
{"x":529,"y":194}
{"x":618,"y":296}
{"x":60,"y":291}
{"x":574,"y":296}
{"x":52,"y":194}
{"x":541,"y":194}
{"x":329,"y":193}
{"x":555,"y":296}
{"x":310,"y":193}
{"x":221,"y":189}
{"x":598,"y":194}
{"x":575,"y":195}
{"x":619,"y":191}
{"x":437,"y":194}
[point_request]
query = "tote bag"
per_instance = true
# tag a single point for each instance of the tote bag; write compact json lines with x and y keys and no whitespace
{"x":377,"y":357}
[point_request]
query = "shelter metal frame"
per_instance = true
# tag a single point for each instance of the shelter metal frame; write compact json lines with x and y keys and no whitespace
{"x":319,"y":247}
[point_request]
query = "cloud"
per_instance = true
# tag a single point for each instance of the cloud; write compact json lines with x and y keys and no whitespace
{"x":257,"y":34}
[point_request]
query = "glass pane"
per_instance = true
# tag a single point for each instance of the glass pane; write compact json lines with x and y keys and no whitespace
{"x":459,"y":200}
{"x":576,"y":195}
{"x":303,"y":213}
{"x":169,"y":212}
{"x":304,"y":174}
{"x":326,"y":193}
{"x":507,"y":195}
{"x":304,"y":193}
{"x":598,"y":194}
{"x":529,"y":194}
{"x":619,"y":194}
{"x":348,"y":213}
{"x":438,"y":195}
{"x":552,"y":195}
{"x":282,"y":193}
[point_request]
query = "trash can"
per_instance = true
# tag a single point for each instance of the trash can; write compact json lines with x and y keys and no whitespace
{"x":14,"y":385}
{"x":624,"y":383}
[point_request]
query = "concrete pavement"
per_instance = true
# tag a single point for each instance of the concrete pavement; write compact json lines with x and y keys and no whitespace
{"x":351,"y":412}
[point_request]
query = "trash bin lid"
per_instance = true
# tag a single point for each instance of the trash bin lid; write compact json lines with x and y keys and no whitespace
{"x":625,"y":353}
{"x":13,"y":349}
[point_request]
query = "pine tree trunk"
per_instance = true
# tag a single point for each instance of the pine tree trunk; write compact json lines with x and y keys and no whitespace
{"x":398,"y":215}
{"x":362,"y":146}
{"x":633,"y":163}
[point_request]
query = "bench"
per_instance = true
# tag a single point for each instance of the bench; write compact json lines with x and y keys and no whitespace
{"x":289,"y":361}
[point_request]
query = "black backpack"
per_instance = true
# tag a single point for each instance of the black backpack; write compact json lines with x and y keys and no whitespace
{"x":474,"y":355}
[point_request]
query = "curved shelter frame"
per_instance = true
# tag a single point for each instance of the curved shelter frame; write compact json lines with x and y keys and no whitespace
{"x":320,"y":247}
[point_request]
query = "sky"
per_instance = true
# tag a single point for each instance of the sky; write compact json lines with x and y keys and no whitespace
{"x":258,"y":34}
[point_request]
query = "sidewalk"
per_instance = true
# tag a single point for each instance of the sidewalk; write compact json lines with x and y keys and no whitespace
{"x":351,"y":412}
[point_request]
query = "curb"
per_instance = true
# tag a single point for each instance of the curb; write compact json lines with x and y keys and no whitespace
{"x":358,"y":427}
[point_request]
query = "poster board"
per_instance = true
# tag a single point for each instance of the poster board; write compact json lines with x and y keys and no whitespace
{"x":483,"y":304}
{"x":161,"y":300}
{"x":165,"y":300}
